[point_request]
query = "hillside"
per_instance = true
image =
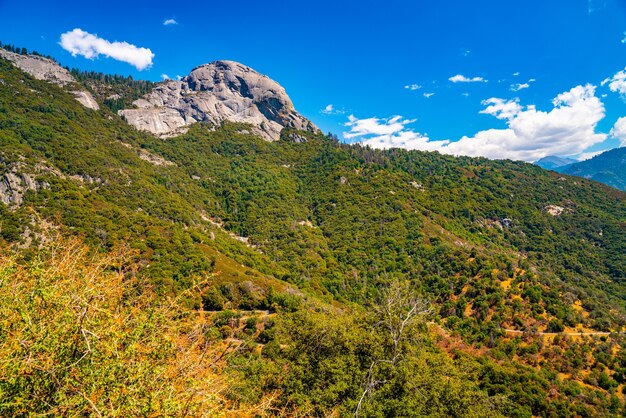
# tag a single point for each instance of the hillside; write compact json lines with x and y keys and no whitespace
{"x":295,"y":249}
{"x":608,"y":168}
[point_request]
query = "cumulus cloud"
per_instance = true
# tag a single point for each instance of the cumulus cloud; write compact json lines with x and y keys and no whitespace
{"x":413,"y":87}
{"x":619,"y":131}
{"x":90,"y":46}
{"x":515,"y":74}
{"x":169,"y":22}
{"x":165,"y":77}
{"x":429,"y":95}
{"x":617,"y":83}
{"x":389,"y":133}
{"x":567,"y":129}
{"x":459,"y":78}
{"x":501,"y":109}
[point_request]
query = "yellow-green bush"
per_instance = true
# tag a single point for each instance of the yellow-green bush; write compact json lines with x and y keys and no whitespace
{"x":78,"y":338}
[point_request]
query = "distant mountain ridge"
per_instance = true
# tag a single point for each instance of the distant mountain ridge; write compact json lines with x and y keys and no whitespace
{"x":608,"y":168}
{"x":552,"y":162}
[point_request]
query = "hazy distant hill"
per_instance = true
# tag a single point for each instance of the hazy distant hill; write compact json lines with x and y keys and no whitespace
{"x":552,"y":162}
{"x":608,"y":168}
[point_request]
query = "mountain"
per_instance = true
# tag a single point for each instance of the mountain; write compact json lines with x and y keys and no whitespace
{"x":552,"y":162}
{"x":221,"y":90}
{"x":218,"y":271}
{"x":608,"y":168}
{"x":43,"y":68}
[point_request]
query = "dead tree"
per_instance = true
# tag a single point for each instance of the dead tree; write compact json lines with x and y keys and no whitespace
{"x":398,"y":309}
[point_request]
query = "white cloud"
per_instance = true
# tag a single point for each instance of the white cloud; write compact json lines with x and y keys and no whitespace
{"x":522,"y":86}
{"x":624,"y":38}
{"x":374,"y":126}
{"x":329,"y":109}
{"x":413,"y":87}
{"x":619,"y":131}
{"x":389,"y":133}
{"x":465,"y":94}
{"x":519,"y":86}
{"x":515,"y":74}
{"x":332,"y":110}
{"x":617,"y":83}
{"x":79,"y":42}
{"x":179,"y":77}
{"x":501,"y":109}
{"x":587,"y":155}
{"x":568,"y":129}
{"x":168,"y":22}
{"x":429,"y":95}
{"x":165,"y":77}
{"x":462,"y":79}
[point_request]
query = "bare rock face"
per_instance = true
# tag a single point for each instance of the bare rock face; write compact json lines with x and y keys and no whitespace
{"x":215,"y":92}
{"x":86,"y":99}
{"x":43,"y":68}
{"x":14,"y":185}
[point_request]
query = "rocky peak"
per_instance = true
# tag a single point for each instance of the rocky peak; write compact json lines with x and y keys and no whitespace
{"x":215,"y":92}
{"x":46,"y":69}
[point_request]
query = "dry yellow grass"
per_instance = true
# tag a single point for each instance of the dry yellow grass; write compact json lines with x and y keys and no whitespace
{"x":78,"y":337}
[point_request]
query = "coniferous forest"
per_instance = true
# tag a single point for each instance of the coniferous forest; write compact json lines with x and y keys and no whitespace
{"x":218,"y":274}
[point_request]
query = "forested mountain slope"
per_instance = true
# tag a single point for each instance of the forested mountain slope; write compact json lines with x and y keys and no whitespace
{"x":304,"y":239}
{"x":608,"y":168}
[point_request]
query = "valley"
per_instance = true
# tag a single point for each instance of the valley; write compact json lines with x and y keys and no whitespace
{"x":242,"y":268}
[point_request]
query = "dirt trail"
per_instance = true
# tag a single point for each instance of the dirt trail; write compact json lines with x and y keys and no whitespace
{"x":516,"y":331}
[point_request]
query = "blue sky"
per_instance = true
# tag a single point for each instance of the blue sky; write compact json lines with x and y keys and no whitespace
{"x":385,"y":67}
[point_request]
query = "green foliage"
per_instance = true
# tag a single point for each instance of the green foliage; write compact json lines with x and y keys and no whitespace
{"x":608,"y":167}
{"x":115,"y":91}
{"x":77,"y":338}
{"x":327,"y":356}
{"x":23,"y":51}
{"x":341,"y":223}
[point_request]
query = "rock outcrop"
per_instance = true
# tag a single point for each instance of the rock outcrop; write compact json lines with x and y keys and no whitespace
{"x":43,"y":68}
{"x":14,"y":185}
{"x":213,"y":93}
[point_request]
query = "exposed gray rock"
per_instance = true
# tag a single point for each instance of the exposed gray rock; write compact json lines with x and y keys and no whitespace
{"x":43,"y":68}
{"x":85,"y":178}
{"x":86,"y":99}
{"x":215,"y":92}
{"x":14,"y":185}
